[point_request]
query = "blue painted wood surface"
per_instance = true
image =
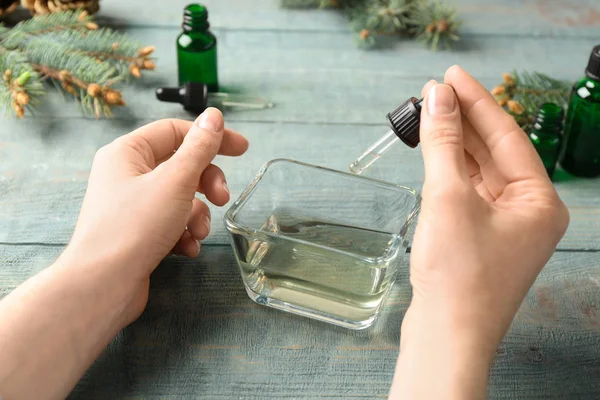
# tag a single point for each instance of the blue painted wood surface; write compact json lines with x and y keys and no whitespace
{"x":201,"y":337}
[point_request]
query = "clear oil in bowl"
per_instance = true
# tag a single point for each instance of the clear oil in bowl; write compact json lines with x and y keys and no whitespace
{"x":329,"y":271}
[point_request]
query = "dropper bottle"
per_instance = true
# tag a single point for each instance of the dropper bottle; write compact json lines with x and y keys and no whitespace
{"x":546,"y":134}
{"x":404,"y":124}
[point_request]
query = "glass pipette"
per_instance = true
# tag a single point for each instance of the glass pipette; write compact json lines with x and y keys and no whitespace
{"x":404,"y":123}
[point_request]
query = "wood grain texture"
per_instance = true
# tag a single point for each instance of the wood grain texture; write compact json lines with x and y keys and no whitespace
{"x":323,"y":77}
{"x":202,"y":337}
{"x":323,"y":87}
{"x":557,"y":18}
{"x":43,"y":175}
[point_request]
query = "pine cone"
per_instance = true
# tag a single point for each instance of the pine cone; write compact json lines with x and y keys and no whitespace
{"x":50,"y":6}
{"x":8,"y":6}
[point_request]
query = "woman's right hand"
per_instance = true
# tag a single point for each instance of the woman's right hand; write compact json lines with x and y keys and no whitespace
{"x":489,"y":222}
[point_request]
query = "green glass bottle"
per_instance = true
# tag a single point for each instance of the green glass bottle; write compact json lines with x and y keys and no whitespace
{"x":197,"y":49}
{"x":581,"y":155}
{"x":546,"y":134}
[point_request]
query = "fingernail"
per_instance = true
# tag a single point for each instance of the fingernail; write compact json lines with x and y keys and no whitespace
{"x":207,"y":224}
{"x":441,"y":100}
{"x":225,"y":187}
{"x":210,"y":120}
{"x":198,"y":243}
{"x":427,"y":87}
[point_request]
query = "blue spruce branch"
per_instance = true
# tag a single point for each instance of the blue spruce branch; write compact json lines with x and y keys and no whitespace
{"x":69,"y":49}
{"x":432,"y":22}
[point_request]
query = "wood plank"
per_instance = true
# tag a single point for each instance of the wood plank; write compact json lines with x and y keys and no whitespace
{"x":46,"y":164}
{"x":202,"y":337}
{"x":557,"y":18}
{"x":323,"y":77}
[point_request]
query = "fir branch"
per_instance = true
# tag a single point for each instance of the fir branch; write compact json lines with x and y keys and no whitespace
{"x":392,"y":16}
{"x":430,"y":21}
{"x":45,"y":51}
{"x":69,"y":50}
{"x":59,"y":75}
{"x":522,"y":93}
{"x":92,"y":97}
{"x":43,"y":24}
{"x":80,"y":75}
{"x":81,"y":34}
{"x":20,"y":87}
{"x":104,"y":44}
{"x":39,"y":24}
{"x":435,"y":24}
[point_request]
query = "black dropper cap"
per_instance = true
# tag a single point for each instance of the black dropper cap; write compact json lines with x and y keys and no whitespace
{"x":406,"y":120}
{"x":593,"y":68}
{"x":193,"y":96}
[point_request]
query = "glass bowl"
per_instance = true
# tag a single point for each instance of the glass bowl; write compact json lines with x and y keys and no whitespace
{"x":320,"y":243}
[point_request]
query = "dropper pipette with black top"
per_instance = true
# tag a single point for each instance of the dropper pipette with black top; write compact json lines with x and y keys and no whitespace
{"x":404,"y":126}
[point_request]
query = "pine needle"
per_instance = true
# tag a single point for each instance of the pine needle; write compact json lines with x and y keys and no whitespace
{"x":104,"y":45}
{"x":43,"y":24}
{"x":432,"y":22}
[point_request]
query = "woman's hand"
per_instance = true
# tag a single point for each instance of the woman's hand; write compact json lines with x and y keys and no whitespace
{"x":490,"y":220}
{"x":140,"y":203}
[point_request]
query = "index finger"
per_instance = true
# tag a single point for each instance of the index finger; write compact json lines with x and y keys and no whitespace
{"x":165,"y":136}
{"x":512,"y":152}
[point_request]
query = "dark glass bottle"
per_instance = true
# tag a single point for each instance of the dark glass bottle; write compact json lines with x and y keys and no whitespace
{"x":197,"y":49}
{"x":581,"y":155}
{"x":546,"y":134}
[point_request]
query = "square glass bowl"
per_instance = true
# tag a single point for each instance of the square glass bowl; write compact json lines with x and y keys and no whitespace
{"x":319,"y":242}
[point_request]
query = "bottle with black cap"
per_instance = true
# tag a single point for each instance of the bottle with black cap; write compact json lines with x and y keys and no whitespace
{"x":581,"y":154}
{"x":404,"y":124}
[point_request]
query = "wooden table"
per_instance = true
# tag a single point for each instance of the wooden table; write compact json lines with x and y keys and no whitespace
{"x":201,"y":337}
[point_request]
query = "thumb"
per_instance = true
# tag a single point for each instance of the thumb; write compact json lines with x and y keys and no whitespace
{"x":442,"y":138}
{"x":200,"y":146}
